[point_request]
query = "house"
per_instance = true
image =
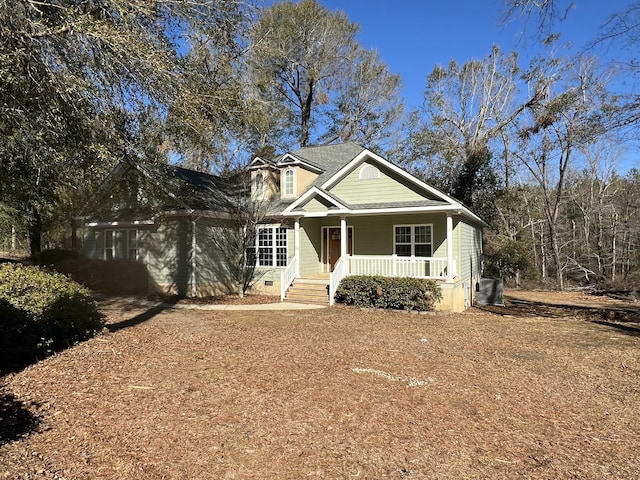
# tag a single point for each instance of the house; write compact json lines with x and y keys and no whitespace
{"x":334,"y":211}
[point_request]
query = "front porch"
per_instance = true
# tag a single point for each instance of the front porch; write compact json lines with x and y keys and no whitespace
{"x":335,"y":246}
{"x":322,"y":287}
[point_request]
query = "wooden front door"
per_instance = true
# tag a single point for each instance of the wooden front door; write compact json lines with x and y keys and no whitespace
{"x":332,"y":246}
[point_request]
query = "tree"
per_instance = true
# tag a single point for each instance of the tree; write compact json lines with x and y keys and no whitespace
{"x":234,"y":235}
{"x":306,"y":65}
{"x":67,"y":67}
{"x":465,"y":110}
{"x":367,"y":104}
{"x":618,"y":35}
{"x":569,"y":113}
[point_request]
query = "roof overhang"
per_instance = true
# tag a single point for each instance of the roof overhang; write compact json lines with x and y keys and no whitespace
{"x":313,"y":192}
{"x":289,"y":159}
{"x":260,"y":163}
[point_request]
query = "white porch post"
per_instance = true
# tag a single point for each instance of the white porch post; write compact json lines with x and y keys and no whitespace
{"x":449,"y":247}
{"x":343,"y":236}
{"x":296,"y":242}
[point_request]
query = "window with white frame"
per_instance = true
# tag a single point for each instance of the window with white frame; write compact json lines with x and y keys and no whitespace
{"x":368,"y":172}
{"x":271,"y":246}
{"x":289,"y":182}
{"x":121,"y":244}
{"x":413,"y":240}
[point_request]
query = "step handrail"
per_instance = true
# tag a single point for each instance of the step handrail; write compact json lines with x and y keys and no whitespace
{"x":287,"y":276}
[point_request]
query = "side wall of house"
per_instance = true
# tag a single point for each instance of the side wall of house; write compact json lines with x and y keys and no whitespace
{"x":469,"y":254}
{"x":165,"y":248}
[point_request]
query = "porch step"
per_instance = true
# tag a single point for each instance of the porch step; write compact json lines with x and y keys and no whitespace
{"x":308,"y":290}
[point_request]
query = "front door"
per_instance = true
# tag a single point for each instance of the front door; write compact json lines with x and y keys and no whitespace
{"x":332,"y":246}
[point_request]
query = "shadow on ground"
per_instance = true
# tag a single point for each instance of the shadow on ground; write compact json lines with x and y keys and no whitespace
{"x":16,"y":421}
{"x":621,"y":317}
{"x":145,"y":316}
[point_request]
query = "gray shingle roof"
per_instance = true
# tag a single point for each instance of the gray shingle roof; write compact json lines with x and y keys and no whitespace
{"x":330,"y":158}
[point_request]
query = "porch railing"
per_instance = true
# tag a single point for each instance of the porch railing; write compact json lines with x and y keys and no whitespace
{"x":340,"y":270}
{"x":397,"y":266}
{"x":287,"y":276}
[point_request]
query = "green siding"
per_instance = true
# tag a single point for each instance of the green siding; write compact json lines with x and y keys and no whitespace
{"x":167,"y":254}
{"x":310,"y":246}
{"x":390,"y":187}
{"x":213,"y":274}
{"x":469,"y":252}
{"x":373,"y":235}
{"x":316,"y":205}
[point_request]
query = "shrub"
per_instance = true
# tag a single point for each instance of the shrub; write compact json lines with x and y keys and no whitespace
{"x":400,"y":293}
{"x":41,"y":312}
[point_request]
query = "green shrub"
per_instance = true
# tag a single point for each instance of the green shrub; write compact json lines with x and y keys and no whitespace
{"x":42,"y":312}
{"x":400,"y":293}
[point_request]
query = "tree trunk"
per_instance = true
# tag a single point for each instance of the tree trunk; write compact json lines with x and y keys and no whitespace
{"x":305,"y":117}
{"x":613,"y":247}
{"x":14,"y":238}
{"x":35,"y":232}
{"x":543,"y":255}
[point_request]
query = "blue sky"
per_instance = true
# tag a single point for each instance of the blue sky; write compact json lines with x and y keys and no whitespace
{"x":413,"y":36}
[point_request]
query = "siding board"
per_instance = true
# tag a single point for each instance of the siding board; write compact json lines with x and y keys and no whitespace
{"x":389,"y":187}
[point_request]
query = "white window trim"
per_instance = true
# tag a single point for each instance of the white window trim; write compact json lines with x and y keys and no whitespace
{"x":286,"y":194}
{"x":274,"y":246}
{"x":413,"y":237}
{"x":127,"y":239}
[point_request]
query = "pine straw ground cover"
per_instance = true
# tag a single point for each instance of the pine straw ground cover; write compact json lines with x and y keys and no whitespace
{"x":334,"y":393}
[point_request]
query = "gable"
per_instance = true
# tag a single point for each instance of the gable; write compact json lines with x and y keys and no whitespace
{"x":370,"y":182}
{"x":317,"y":204}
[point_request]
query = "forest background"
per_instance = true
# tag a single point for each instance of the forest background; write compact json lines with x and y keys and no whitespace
{"x":540,"y":145}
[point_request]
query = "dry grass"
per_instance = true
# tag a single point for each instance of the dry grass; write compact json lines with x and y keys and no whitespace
{"x":335,"y":393}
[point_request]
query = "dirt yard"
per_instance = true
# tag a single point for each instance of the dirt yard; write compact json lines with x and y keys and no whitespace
{"x":547,"y":387}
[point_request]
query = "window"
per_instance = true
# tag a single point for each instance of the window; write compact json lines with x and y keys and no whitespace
{"x":368,"y":172}
{"x":258,"y":186}
{"x":271,"y":246}
{"x":289,"y":182}
{"x":413,"y":240}
{"x":121,"y":244}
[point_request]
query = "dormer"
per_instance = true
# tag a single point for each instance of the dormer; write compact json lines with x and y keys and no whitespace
{"x":265,"y":179}
{"x":296,"y":175}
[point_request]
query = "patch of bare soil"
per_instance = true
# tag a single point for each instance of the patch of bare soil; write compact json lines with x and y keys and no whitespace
{"x":332,"y":393}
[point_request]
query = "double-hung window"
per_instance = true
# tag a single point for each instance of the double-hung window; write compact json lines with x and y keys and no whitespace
{"x":289,"y":183}
{"x":271,"y":246}
{"x":413,"y":240}
{"x":121,"y":244}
